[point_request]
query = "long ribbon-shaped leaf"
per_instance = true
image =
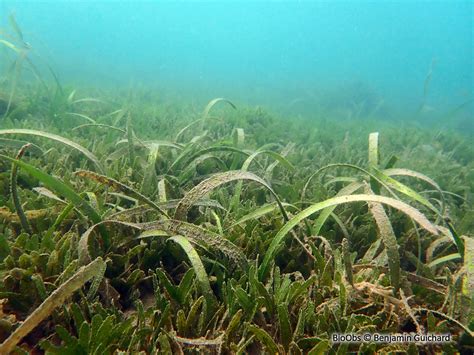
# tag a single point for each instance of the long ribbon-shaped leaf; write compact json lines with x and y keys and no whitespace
{"x":216,"y":180}
{"x":279,"y":237}
{"x":201,"y":275}
{"x":56,"y":138}
{"x":62,"y":189}
{"x":54,"y":300}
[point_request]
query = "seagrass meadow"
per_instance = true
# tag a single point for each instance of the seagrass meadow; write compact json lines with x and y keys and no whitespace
{"x":133,"y":227}
{"x":132,"y":222}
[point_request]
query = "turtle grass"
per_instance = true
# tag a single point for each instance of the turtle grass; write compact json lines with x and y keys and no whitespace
{"x":241,"y":233}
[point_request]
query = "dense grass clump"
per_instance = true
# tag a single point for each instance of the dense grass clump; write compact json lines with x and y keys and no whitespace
{"x":133,"y":226}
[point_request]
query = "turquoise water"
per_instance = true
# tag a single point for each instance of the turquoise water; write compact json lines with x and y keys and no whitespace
{"x":215,"y":176}
{"x":290,"y":55}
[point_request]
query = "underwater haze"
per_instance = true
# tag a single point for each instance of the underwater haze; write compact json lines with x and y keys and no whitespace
{"x":286,"y":54}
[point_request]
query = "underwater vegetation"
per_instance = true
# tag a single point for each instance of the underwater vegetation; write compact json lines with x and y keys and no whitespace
{"x":227,"y":232}
{"x":130,"y":225}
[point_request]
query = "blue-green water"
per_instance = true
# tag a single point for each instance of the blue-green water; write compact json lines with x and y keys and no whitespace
{"x":215,"y":176}
{"x":291,"y":55}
